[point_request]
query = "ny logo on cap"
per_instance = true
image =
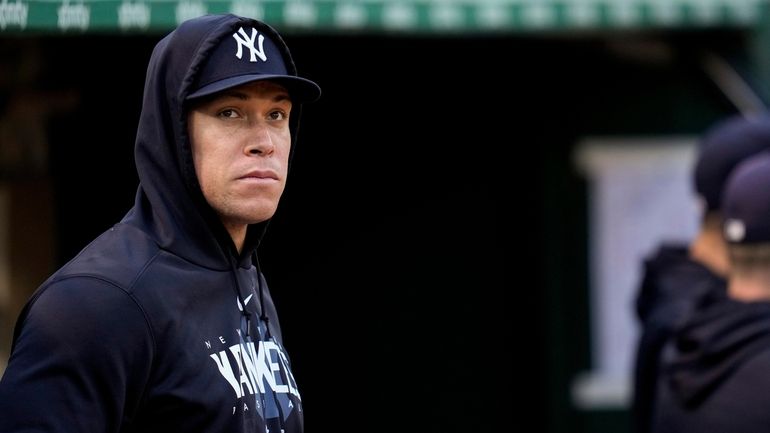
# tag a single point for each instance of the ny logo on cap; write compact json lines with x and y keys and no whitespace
{"x":245,"y":41}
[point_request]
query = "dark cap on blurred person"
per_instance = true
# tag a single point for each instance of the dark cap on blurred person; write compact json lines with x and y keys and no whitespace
{"x":746,"y":201}
{"x":722,"y":147}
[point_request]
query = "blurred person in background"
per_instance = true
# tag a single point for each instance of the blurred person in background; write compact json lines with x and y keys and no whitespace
{"x":715,"y":370}
{"x":677,"y":276}
{"x":165,"y":323}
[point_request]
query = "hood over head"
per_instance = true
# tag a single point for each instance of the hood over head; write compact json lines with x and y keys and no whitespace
{"x":197,"y":59}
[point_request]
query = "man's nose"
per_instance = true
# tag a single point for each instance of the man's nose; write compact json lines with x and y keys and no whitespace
{"x":260,"y":142}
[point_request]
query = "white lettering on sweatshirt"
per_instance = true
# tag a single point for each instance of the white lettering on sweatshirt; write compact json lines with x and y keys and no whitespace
{"x":250,"y":368}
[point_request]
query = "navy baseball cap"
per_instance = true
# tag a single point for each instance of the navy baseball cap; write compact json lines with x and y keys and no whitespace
{"x":722,"y":147}
{"x":252,"y":53}
{"x":746,"y":201}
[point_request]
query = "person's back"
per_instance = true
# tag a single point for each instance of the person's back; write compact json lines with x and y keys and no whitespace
{"x":673,"y":284}
{"x":678,"y":277}
{"x":714,"y":370}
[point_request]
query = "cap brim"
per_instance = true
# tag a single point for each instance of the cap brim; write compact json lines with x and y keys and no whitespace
{"x":301,"y":89}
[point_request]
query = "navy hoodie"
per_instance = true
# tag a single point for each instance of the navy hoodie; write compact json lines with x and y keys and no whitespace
{"x":715,"y":372}
{"x":673,"y":286}
{"x":159,"y":325}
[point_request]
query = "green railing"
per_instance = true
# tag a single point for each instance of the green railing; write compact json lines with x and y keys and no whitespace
{"x":431,"y":16}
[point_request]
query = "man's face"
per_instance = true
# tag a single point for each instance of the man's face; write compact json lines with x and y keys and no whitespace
{"x":240,"y":142}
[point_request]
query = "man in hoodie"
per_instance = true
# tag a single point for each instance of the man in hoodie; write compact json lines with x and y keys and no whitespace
{"x":677,"y":277}
{"x":164,"y":323}
{"x":715,"y":371}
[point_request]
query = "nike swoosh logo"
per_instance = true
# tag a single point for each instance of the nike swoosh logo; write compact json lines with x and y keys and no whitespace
{"x":245,"y":302}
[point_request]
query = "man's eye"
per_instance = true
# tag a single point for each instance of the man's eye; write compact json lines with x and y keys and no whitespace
{"x":229,"y":113}
{"x":277,"y":115}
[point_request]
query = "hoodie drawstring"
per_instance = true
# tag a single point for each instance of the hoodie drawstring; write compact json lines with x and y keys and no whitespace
{"x":260,"y":293}
{"x":268,"y":335}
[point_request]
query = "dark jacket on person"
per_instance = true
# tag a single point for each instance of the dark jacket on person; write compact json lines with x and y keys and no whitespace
{"x":160,"y":324}
{"x":715,"y":372}
{"x":672,"y":286}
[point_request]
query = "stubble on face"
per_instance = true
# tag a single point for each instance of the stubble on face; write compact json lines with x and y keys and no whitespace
{"x":241,"y":140}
